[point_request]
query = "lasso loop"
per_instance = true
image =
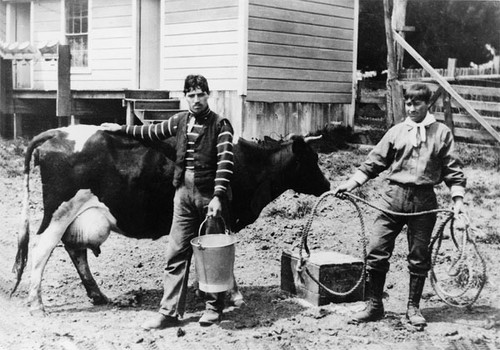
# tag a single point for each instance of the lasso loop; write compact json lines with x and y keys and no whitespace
{"x":304,"y":247}
{"x":454,"y":270}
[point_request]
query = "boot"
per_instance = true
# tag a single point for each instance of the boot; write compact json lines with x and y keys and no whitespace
{"x":160,"y":321}
{"x":374,"y":307}
{"x":413,"y":313}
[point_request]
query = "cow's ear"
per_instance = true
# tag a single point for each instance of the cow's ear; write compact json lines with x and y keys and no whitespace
{"x":299,"y":145}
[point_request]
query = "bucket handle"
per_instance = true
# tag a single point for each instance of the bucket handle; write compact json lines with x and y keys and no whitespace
{"x":226,"y":231}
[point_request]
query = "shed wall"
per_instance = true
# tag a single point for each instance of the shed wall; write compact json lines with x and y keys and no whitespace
{"x":200,"y":37}
{"x":46,"y":20}
{"x":300,"y":51}
{"x":3,"y":21}
{"x":111,"y":39}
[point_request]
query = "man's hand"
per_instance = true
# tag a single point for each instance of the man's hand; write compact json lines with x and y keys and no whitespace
{"x":458,"y":206}
{"x":112,"y":127}
{"x":214,"y":207}
{"x":347,"y":186}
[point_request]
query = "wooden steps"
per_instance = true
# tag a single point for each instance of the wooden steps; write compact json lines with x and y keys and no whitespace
{"x":150,"y":106}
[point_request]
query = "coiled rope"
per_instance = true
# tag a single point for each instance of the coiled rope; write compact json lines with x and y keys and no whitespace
{"x":455,"y":270}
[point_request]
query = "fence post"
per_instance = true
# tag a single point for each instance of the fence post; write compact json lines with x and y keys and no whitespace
{"x":448,"y":116}
{"x":496,"y":64}
{"x":452,"y":63}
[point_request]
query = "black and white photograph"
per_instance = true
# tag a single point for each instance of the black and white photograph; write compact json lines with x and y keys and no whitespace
{"x":249,"y":174}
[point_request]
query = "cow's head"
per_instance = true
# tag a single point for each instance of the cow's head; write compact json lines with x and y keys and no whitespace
{"x":303,"y":171}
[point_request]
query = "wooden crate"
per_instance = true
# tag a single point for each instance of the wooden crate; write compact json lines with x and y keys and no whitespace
{"x":338,"y":272}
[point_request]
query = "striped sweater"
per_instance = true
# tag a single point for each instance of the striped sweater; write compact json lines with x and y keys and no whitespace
{"x":168,"y":128}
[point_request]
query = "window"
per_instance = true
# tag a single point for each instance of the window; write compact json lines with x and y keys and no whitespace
{"x":77,"y":26}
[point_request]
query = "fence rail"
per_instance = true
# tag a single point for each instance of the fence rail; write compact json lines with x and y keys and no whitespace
{"x":486,"y":100}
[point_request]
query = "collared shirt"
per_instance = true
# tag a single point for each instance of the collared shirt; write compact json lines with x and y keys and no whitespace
{"x":429,"y":163}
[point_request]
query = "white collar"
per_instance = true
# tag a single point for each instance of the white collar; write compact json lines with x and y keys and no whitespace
{"x":419,"y":128}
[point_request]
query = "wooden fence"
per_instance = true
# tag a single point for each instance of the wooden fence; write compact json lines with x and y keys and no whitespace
{"x":479,"y":87}
{"x":371,"y":110}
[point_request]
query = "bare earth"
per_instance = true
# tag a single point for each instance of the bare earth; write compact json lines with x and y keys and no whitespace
{"x":130,"y":272}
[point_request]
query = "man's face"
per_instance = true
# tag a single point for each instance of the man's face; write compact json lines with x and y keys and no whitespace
{"x":416,"y":110}
{"x":197,"y":100}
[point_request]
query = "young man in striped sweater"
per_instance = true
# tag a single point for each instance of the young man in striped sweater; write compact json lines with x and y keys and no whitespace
{"x":203,"y":169}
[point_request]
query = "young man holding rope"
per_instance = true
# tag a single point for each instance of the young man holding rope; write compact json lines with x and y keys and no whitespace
{"x":417,"y":154}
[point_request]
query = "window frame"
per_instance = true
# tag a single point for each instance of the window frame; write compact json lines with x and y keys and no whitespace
{"x":78,"y":19}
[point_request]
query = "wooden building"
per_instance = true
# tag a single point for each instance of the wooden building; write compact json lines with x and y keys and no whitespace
{"x":273,"y":66}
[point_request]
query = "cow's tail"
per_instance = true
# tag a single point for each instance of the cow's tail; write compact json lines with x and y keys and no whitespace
{"x":23,"y":236}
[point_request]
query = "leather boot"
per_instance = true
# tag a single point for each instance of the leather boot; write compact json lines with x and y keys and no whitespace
{"x":413,"y":313}
{"x":374,"y":291}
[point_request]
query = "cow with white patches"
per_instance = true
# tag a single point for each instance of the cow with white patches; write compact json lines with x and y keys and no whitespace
{"x":133,"y":180}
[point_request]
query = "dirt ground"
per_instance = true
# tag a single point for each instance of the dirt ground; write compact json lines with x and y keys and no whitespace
{"x":130,"y":273}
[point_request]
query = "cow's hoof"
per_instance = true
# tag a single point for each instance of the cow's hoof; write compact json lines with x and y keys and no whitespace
{"x":37,"y":311}
{"x":236,"y":300}
{"x":99,"y":300}
{"x":199,"y":293}
{"x":237,"y":303}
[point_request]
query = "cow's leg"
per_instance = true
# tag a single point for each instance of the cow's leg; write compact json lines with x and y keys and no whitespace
{"x":235,"y":296}
{"x":79,"y":258}
{"x":41,"y":254}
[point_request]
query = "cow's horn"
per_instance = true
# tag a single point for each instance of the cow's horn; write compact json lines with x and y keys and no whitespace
{"x":308,"y":139}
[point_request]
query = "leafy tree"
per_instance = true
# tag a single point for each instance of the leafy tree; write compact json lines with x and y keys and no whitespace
{"x":443,"y":29}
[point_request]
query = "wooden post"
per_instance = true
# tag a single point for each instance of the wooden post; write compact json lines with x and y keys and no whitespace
{"x":496,"y":64}
{"x":452,"y":64}
{"x":63,"y":109}
{"x":442,"y":81}
{"x":18,"y":125}
{"x":5,"y":92}
{"x":448,"y":116}
{"x":398,"y":23}
{"x":395,"y":107}
{"x":129,"y":120}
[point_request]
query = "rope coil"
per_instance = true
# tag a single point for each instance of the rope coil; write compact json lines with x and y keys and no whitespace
{"x":304,"y":246}
{"x":462,"y":266}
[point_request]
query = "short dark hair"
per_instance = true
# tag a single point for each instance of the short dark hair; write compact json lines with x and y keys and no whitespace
{"x":419,"y":92}
{"x":194,"y":81}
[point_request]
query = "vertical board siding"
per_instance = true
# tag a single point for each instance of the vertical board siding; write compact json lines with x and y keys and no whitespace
{"x":281,"y":119}
{"x":300,"y":51}
{"x":200,"y":37}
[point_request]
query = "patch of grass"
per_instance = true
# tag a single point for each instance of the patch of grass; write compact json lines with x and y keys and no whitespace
{"x":479,"y":156}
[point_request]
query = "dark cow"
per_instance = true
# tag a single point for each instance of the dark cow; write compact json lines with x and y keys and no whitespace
{"x":125,"y":185}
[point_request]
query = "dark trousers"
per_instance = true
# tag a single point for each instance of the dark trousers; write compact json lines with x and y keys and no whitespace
{"x":403,"y":199}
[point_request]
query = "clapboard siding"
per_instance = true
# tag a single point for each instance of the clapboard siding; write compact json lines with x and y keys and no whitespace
{"x":46,"y":21}
{"x":300,"y":64}
{"x":283,"y":13}
{"x":308,"y":8}
{"x":200,"y":37}
{"x":271,"y":25}
{"x":110,"y":33}
{"x":300,"y":51}
{"x":295,"y":51}
{"x":285,"y":73}
{"x":110,"y":45}
{"x":3,"y":21}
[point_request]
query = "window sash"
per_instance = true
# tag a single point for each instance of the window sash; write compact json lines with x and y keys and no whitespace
{"x":77,"y":31}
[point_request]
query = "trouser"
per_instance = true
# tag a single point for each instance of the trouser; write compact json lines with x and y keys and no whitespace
{"x":189,"y":212}
{"x":404,"y":199}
